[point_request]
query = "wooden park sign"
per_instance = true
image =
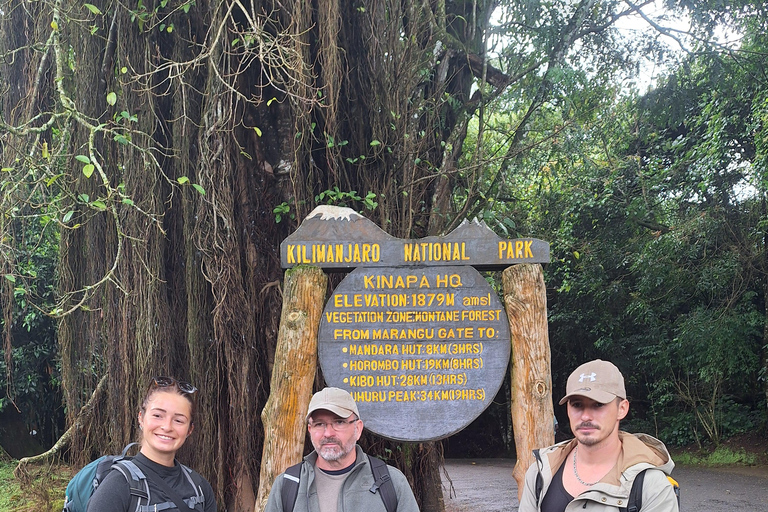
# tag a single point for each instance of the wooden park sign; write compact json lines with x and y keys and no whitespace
{"x":340,"y":239}
{"x":414,"y":332}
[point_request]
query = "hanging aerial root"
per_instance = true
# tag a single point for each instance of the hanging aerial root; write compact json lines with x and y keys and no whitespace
{"x":83,"y":417}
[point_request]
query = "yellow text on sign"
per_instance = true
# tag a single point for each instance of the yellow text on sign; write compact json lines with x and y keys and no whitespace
{"x":509,"y":249}
{"x":332,"y":253}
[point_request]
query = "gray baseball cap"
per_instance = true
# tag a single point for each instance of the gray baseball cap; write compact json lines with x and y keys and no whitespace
{"x":336,"y":400}
{"x":599,"y":380}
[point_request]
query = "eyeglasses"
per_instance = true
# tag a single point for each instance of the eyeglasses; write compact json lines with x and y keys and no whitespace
{"x":169,"y":382}
{"x":336,"y":425}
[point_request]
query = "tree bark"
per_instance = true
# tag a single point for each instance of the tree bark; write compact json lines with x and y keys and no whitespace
{"x":532,"y":410}
{"x":431,"y":490}
{"x":293,"y":374}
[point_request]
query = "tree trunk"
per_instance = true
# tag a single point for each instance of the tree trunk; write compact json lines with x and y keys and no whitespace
{"x":532,"y":411}
{"x":431,"y":460}
{"x":293,"y":374}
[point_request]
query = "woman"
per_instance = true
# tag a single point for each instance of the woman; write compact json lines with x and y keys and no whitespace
{"x":166,"y":421}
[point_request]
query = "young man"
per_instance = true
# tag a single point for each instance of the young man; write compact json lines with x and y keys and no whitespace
{"x":596,"y":470}
{"x":336,"y":476}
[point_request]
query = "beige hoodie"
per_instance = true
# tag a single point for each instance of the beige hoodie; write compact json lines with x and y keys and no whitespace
{"x":638,"y":452}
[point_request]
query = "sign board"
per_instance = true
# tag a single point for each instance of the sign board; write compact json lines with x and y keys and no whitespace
{"x":340,"y":239}
{"x":414,"y":332}
{"x":423,"y":351}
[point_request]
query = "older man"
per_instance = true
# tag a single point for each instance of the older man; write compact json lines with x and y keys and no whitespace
{"x":596,"y":470}
{"x":338,"y":476}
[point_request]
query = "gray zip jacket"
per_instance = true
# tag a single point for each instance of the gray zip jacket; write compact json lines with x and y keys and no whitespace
{"x":638,"y":452}
{"x":355,"y":494}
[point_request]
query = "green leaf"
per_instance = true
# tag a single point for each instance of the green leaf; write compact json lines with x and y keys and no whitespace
{"x":121,"y":139}
{"x":88,"y":170}
{"x":257,"y":130}
{"x":200,"y":189}
{"x":99,"y":205}
{"x":182,"y":180}
{"x":7,"y":169}
{"x":374,"y":142}
{"x":68,"y":216}
{"x":95,"y":10}
{"x":50,"y":181}
{"x":10,"y":277}
{"x":111,"y":98}
{"x":83,"y":158}
{"x":128,"y":201}
{"x":269,"y":102}
{"x":123,"y":70}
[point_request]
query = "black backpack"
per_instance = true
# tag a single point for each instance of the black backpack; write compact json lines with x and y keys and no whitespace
{"x":635,"y":501}
{"x":87,"y":480}
{"x":382,"y":483}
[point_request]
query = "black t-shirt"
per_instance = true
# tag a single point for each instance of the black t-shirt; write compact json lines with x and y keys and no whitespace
{"x":557,"y":498}
{"x":114,"y":493}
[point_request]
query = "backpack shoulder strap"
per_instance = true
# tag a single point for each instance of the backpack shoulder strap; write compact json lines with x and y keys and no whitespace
{"x":290,"y":487}
{"x":635,"y":502}
{"x":539,"y":480}
{"x":676,"y":488}
{"x":196,"y":480}
{"x":137,"y":481}
{"x":383,"y":483}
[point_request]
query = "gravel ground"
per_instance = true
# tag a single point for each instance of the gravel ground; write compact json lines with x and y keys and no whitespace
{"x":479,"y":485}
{"x":487,"y":485}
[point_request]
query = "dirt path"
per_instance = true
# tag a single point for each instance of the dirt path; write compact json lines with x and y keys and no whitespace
{"x":487,"y":485}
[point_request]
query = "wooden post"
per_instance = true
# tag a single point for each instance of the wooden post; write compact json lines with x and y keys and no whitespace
{"x":293,"y":374}
{"x":531,"y":376}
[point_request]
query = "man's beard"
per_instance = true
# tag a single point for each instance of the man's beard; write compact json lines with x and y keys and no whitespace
{"x":332,"y":453}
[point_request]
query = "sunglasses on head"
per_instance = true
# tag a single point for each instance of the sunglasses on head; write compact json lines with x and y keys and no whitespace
{"x":168,"y":382}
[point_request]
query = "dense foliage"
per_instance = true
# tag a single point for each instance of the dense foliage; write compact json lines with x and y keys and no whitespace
{"x":32,"y":394}
{"x":657,"y":212}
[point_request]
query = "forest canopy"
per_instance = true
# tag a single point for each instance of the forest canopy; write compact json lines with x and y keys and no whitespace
{"x":155,"y":153}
